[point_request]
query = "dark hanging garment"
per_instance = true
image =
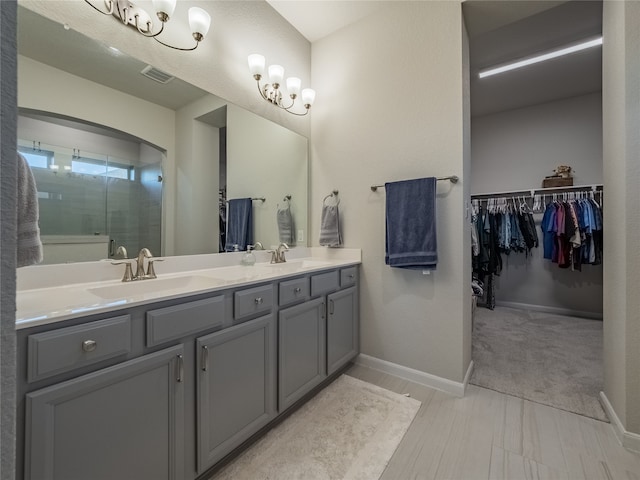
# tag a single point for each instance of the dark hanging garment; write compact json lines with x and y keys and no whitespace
{"x":569,"y":232}
{"x":532,"y":229}
{"x":495,"y":259}
{"x":483,"y":240}
{"x":528,"y":229}
{"x":563,"y":250}
{"x":548,"y":230}
{"x":597,"y":233}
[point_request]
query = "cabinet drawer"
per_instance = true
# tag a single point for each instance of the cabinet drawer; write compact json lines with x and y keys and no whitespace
{"x":293,"y":290}
{"x":252,"y":300}
{"x":348,"y":276}
{"x":324,"y":283}
{"x":58,"y":351}
{"x":169,"y":323}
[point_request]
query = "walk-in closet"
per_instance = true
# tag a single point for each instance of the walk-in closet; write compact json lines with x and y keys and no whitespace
{"x":537,"y":201}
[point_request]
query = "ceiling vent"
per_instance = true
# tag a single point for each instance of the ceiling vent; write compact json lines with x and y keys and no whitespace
{"x":157,"y":75}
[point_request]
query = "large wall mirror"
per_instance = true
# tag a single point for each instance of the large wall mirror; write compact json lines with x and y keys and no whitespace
{"x":123,"y":159}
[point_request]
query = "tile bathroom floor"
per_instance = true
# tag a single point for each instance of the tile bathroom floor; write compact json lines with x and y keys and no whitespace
{"x":490,"y":435}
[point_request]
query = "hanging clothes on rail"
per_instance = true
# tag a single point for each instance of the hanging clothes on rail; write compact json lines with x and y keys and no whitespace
{"x":503,"y":226}
{"x":488,"y":262}
{"x":572,"y":233}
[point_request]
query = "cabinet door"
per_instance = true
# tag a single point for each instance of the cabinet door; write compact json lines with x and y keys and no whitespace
{"x":302,"y":356}
{"x":342,"y":328}
{"x":125,"y":421}
{"x":236,"y":387}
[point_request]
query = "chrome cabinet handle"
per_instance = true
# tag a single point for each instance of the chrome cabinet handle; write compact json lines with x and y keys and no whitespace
{"x":324,"y":310}
{"x":331,"y":307}
{"x":180,"y":368}
{"x":89,"y":345}
{"x":258,"y":300}
{"x":205,"y":358}
{"x":351,"y":275}
{"x":297,"y":290}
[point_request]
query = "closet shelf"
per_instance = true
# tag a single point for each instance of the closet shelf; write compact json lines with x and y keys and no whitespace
{"x":540,"y":191}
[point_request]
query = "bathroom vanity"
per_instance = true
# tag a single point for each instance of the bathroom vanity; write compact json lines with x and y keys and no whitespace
{"x":163,"y":384}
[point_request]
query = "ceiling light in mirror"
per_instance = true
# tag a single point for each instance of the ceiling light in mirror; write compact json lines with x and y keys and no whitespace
{"x":272,"y":92}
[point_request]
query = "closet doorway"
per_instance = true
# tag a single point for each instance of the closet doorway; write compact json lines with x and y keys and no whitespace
{"x":537,"y":329}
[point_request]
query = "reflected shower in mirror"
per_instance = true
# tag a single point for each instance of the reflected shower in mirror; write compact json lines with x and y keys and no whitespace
{"x":91,"y":202}
{"x":212,"y":150}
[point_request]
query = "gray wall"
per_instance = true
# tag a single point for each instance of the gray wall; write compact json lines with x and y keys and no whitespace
{"x":8,"y":113}
{"x":621,"y":114}
{"x":365,"y":132}
{"x":517,"y":149}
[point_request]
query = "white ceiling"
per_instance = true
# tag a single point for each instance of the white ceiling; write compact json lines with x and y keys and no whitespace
{"x":497,"y":34}
{"x":48,"y":42}
{"x":315,"y":19}
{"x":499,"y":31}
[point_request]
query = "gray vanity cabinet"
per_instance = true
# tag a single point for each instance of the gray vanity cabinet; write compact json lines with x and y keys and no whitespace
{"x":302,"y":350}
{"x":342,"y":328}
{"x":124,"y":421}
{"x":236,"y":386}
{"x":164,"y":391}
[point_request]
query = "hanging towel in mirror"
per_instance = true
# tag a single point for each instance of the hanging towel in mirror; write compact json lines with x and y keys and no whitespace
{"x":285,"y":222}
{"x":330,"y":235}
{"x":411,"y":224}
{"x":239,"y":224}
{"x":29,"y":243}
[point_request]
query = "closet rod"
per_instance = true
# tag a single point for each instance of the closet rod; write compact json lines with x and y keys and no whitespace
{"x":452,"y":178}
{"x":534,"y":191}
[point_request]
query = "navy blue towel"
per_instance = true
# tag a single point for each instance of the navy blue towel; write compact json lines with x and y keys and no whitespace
{"x":411,"y":224}
{"x":239,"y":224}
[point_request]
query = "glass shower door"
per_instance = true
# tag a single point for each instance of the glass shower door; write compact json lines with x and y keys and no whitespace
{"x":91,"y":203}
{"x":134,"y":205}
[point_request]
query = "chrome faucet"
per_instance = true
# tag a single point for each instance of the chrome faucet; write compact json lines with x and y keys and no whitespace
{"x":277,"y":256}
{"x":140,"y":272}
{"x":142,"y":254}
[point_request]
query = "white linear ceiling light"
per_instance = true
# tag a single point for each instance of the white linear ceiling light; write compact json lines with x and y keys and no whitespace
{"x":540,"y":58}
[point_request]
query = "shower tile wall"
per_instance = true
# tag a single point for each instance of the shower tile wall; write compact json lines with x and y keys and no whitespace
{"x":128,"y":211}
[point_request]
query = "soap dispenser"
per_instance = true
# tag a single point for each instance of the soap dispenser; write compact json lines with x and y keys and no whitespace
{"x":249,"y":257}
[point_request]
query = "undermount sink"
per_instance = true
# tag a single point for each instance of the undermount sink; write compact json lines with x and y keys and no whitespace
{"x":240,"y":273}
{"x":296,"y":265}
{"x":156,"y":285}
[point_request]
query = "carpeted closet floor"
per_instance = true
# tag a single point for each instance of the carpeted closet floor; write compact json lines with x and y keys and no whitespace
{"x":550,"y":359}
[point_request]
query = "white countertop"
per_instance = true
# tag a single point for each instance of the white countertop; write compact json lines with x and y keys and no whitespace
{"x":51,"y":293}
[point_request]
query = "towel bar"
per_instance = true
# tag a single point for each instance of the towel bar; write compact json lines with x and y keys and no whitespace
{"x":262,"y":199}
{"x":334,"y":193}
{"x":452,"y":179}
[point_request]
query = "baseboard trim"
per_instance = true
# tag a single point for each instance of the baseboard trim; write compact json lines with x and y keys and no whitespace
{"x":467,"y":377}
{"x":554,"y":310}
{"x":416,"y":376}
{"x":629,"y":440}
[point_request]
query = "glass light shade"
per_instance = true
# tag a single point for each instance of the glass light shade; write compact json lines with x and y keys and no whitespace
{"x":199,"y":21}
{"x":308,"y":96}
{"x":276,"y":73}
{"x":256,"y":64}
{"x":293,"y":85}
{"x":166,"y":6}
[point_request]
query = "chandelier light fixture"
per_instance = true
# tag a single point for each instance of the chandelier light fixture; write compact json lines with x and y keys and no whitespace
{"x":272,"y":92}
{"x":130,"y":14}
